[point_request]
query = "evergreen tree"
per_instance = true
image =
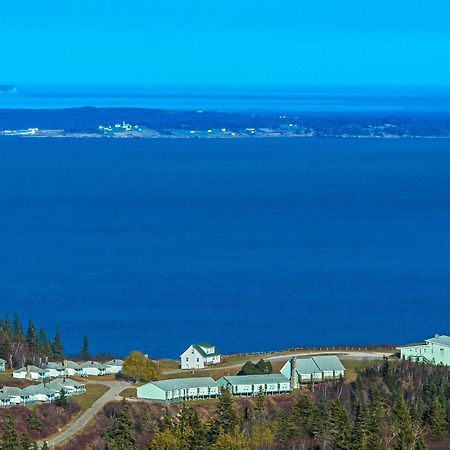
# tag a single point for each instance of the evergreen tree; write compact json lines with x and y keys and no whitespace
{"x":191,"y":429}
{"x":340,"y":427}
{"x":57,"y":347}
{"x":7,"y":326}
{"x":10,"y":439}
{"x":45,"y":446}
{"x":119,"y":436}
{"x":360,"y":432}
{"x":166,"y":422}
{"x":17,"y":328}
{"x":85,"y":356}
{"x":226,"y":418}
{"x":234,"y":440}
{"x":33,"y":422}
{"x":44,"y":347}
{"x":26,"y":442}
{"x":403,"y":427}
{"x":32,"y":339}
{"x":438,"y":418}
{"x":62,"y":400}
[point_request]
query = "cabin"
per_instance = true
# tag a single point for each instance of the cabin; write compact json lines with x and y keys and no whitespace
{"x":54,"y":370}
{"x":114,"y":366}
{"x":41,"y":393}
{"x":93,"y":368}
{"x":178,"y":390}
{"x":72,"y":368}
{"x":435,"y":350}
{"x":32,"y":373}
{"x":17,"y":396}
{"x":197,"y":356}
{"x":251,"y":385}
{"x":2,"y":365}
{"x":69,"y":386}
{"x":313,"y":369}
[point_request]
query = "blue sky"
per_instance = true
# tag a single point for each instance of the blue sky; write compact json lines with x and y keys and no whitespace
{"x":226,"y":42}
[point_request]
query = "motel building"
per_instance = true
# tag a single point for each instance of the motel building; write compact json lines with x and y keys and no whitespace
{"x":435,"y":350}
{"x":251,"y":385}
{"x":178,"y":390}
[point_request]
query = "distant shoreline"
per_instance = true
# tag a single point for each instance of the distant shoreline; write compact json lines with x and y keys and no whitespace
{"x":143,"y":123}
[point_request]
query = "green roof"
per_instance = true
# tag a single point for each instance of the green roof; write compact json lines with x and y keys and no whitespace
{"x":185,"y":383}
{"x":328,"y":363}
{"x":199,"y":348}
{"x":441,"y":340}
{"x":256,"y":379}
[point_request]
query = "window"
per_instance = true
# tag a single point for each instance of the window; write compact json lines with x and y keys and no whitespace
{"x":198,"y":359}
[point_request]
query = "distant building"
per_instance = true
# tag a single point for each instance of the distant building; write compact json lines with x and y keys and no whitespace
{"x":114,"y":366}
{"x":250,"y":385}
{"x":73,"y":368}
{"x":2,"y":365}
{"x":197,"y":356}
{"x":435,"y":350}
{"x":54,"y":370}
{"x":29,"y":373}
{"x":93,"y":368}
{"x":178,"y":390}
{"x":313,"y":369}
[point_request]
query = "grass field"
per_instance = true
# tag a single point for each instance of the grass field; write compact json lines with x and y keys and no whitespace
{"x":93,"y":393}
{"x":129,"y":393}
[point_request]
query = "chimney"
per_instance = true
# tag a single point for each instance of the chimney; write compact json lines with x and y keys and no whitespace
{"x":293,"y":373}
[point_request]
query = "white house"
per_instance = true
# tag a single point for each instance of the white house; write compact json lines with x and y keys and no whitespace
{"x":17,"y":396}
{"x":5,"y":400}
{"x":29,"y":373}
{"x":93,"y":368}
{"x":69,"y":386}
{"x":177,"y":390}
{"x":2,"y":365}
{"x":254,"y":384}
{"x":313,"y":369}
{"x":114,"y":366}
{"x":72,"y":368}
{"x":435,"y":350}
{"x":54,"y":370}
{"x":197,"y":356}
{"x":41,"y":393}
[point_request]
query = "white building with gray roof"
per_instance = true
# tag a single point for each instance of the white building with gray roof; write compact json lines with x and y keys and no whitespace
{"x":435,"y":350}
{"x":179,"y":389}
{"x":197,"y":356}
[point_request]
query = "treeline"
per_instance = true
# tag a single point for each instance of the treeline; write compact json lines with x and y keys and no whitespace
{"x":390,"y":406}
{"x":19,"y":347}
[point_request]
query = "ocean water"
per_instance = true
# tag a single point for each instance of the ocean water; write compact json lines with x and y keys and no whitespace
{"x":251,"y":244}
{"x":245,"y":99}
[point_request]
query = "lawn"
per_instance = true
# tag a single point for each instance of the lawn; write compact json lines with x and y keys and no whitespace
{"x":93,"y":393}
{"x":129,"y":393}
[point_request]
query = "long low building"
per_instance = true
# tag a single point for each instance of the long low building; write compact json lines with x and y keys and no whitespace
{"x":313,"y":369}
{"x":179,"y":389}
{"x":248,"y":385}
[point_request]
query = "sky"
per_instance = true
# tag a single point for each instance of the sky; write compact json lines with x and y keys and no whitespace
{"x":226,"y":42}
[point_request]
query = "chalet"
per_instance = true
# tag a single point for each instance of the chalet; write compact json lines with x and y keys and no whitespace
{"x":197,"y":356}
{"x":435,"y":350}
{"x":114,"y":366}
{"x":178,"y":390}
{"x":2,"y":365}
{"x":93,"y":368}
{"x":313,"y":369}
{"x":250,"y":385}
{"x":29,"y":373}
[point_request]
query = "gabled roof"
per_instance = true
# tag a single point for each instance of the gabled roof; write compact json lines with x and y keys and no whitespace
{"x":39,"y":389}
{"x":30,"y":369}
{"x":307,"y":366}
{"x":94,"y":364}
{"x":115,"y":362}
{"x":4,"y":396}
{"x":199,"y":348}
{"x":185,"y":383}
{"x":2,"y":360}
{"x":55,"y":365}
{"x":328,"y":363}
{"x":72,"y":365}
{"x":440,"y":339}
{"x":255,"y":379}
{"x":11,"y":390}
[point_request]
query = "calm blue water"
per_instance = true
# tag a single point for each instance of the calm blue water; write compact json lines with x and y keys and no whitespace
{"x":252,"y":244}
{"x":284,"y":100}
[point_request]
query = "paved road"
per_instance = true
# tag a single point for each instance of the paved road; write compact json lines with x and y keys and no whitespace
{"x":358,"y":355}
{"x":116,"y":387}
